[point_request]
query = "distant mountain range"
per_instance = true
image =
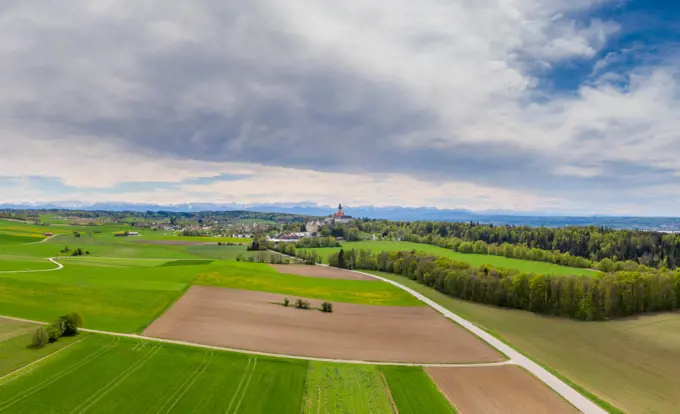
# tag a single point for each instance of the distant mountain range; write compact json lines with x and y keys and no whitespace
{"x":495,"y":217}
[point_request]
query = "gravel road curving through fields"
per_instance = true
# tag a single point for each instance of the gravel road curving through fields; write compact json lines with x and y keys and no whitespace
{"x":572,"y":396}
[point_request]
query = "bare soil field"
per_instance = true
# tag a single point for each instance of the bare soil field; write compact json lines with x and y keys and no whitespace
{"x":319,"y":271}
{"x":257,"y":321}
{"x":504,"y":389}
{"x":173,"y":242}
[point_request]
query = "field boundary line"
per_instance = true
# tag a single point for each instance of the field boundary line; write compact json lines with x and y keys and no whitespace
{"x":6,"y":377}
{"x":273,"y":355}
{"x":51,"y":259}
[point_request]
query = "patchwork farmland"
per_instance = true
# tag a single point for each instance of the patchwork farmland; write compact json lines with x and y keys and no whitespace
{"x":178,"y":325}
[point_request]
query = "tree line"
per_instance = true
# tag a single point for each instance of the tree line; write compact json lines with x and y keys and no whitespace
{"x":313,"y":242}
{"x":649,"y":248}
{"x":309,"y":257}
{"x":604,"y":296}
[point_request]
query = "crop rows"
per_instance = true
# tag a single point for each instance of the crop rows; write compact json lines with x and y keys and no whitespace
{"x":113,"y":374}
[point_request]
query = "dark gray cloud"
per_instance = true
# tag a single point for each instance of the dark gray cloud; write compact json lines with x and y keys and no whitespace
{"x":227,"y":82}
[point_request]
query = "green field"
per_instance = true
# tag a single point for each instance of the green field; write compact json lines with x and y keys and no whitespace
{"x":117,"y":295}
{"x":262,"y":277}
{"x":414,"y":392}
{"x":214,"y":251}
{"x":14,"y":350}
{"x":631,"y":363}
{"x":99,"y":373}
{"x":473,"y":259}
{"x":14,"y":263}
{"x":108,"y":374}
{"x":346,"y":389}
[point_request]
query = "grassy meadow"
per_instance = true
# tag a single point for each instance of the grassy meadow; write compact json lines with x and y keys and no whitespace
{"x":630,"y":363}
{"x":17,"y":263}
{"x":262,"y":277}
{"x":116,"y":295}
{"x":473,"y":259}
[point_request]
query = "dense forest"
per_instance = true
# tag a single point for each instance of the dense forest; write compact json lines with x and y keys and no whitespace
{"x":654,"y":249}
{"x":608,"y":295}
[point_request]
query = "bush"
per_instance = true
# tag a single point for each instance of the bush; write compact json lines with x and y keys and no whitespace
{"x":286,"y":302}
{"x":327,"y":307}
{"x":301,"y":304}
{"x":40,"y":338}
{"x":71,"y":323}
{"x":54,"y":331}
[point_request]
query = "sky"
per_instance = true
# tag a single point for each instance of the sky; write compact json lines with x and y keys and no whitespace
{"x":563,"y":106}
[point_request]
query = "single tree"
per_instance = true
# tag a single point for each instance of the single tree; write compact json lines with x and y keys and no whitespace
{"x":40,"y":338}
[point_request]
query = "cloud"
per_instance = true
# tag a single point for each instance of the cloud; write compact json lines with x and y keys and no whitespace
{"x":435,"y":95}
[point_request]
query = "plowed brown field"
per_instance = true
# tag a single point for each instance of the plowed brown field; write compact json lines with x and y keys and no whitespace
{"x":506,"y":389}
{"x":320,"y":271}
{"x":257,"y":321}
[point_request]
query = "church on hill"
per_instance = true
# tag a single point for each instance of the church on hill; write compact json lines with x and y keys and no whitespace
{"x":339,"y":217}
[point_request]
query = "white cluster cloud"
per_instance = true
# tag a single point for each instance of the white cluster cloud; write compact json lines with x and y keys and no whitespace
{"x":412,"y":103}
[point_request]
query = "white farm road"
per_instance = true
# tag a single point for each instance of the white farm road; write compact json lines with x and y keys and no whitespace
{"x":572,"y":396}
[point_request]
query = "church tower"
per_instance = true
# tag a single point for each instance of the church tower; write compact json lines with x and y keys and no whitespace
{"x":339,"y":213}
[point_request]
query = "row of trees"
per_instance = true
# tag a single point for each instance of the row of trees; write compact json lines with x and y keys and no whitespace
{"x":263,"y":257}
{"x":326,"y":307}
{"x":520,"y":251}
{"x":309,"y":257}
{"x":313,"y":242}
{"x":649,"y":248}
{"x":66,"y":325}
{"x":608,"y":295}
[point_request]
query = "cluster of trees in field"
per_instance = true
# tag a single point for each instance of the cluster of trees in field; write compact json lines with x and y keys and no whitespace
{"x":66,"y":325}
{"x":604,"y":296}
{"x":77,"y":252}
{"x":312,"y":242}
{"x":326,"y":307}
{"x":649,"y":248}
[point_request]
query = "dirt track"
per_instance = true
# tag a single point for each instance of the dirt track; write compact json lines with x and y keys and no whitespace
{"x":506,"y":389}
{"x":319,"y":271}
{"x":254,"y":321}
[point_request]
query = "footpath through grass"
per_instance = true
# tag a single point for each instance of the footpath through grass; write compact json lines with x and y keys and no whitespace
{"x":262,"y":277}
{"x":476,"y":260}
{"x":631,"y":363}
{"x":115,"y":295}
{"x":15,"y":263}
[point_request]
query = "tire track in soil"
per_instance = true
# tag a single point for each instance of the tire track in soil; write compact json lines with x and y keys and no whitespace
{"x":49,"y":381}
{"x":107,"y":388}
{"x":245,"y":388}
{"x":240,"y":384}
{"x":186,"y":385}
